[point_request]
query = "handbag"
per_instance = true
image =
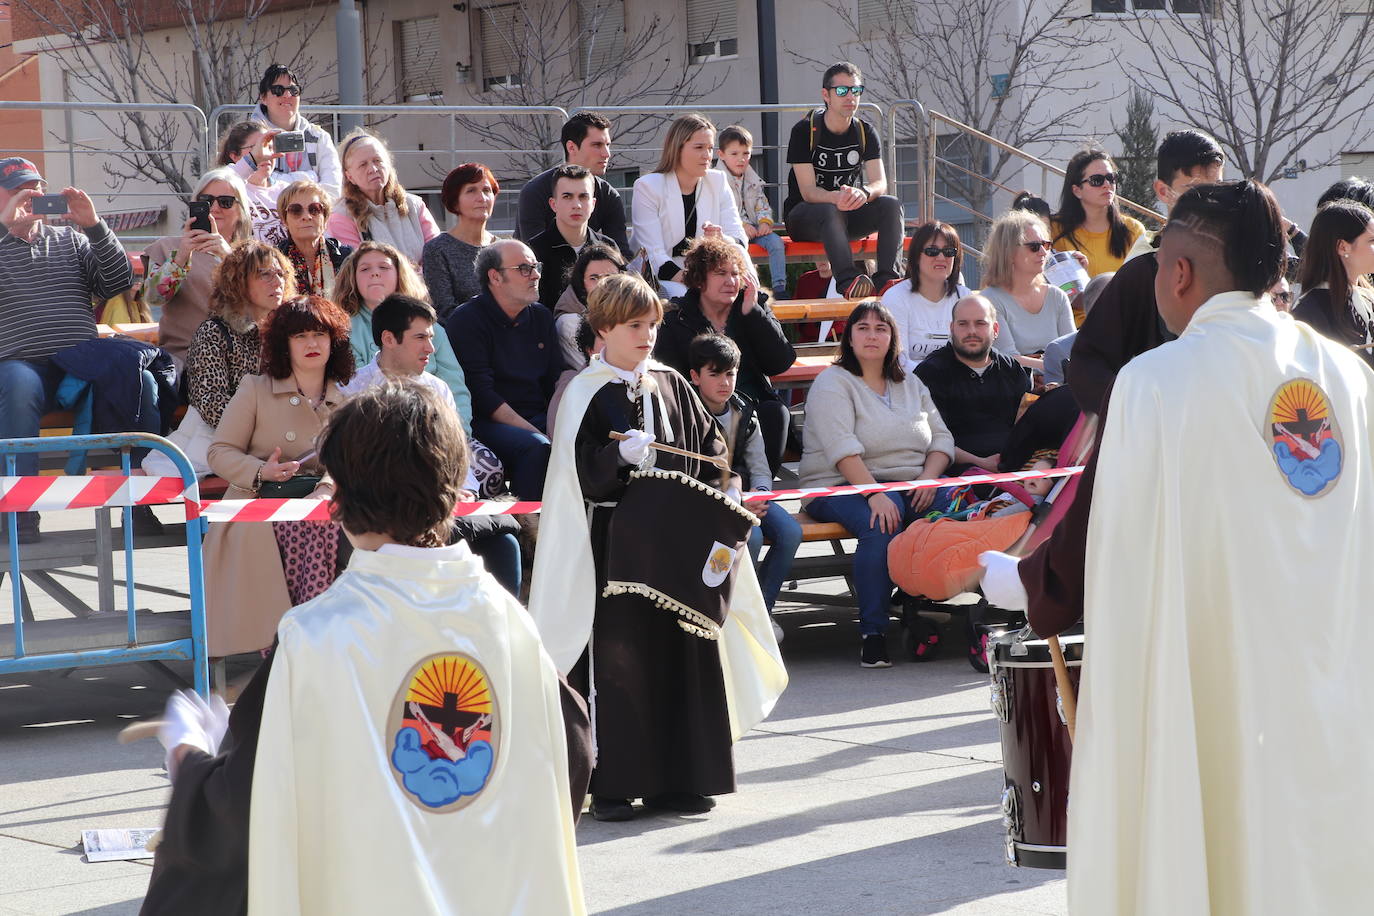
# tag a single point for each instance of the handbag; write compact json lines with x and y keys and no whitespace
{"x":193,"y":437}
{"x":296,"y":487}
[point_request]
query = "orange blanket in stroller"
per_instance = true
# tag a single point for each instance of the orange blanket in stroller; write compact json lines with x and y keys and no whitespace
{"x":939,"y":559}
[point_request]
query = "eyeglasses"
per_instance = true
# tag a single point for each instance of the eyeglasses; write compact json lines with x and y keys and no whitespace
{"x":1285,"y":297}
{"x":223,"y":201}
{"x":933,"y":252}
{"x":1036,"y":247}
{"x":1098,"y":181}
{"x":280,"y":91}
{"x":526,"y":270}
{"x":843,"y":91}
{"x":314,"y":208}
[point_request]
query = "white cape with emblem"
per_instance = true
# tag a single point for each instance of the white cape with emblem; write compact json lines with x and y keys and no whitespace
{"x":332,"y":829}
{"x":563,"y":591}
{"x":1224,"y":761}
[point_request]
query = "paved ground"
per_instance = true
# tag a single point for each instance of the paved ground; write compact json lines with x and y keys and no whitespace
{"x":867,"y":790}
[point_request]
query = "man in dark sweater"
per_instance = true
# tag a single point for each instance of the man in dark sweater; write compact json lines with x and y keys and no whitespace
{"x":49,"y":276}
{"x":558,"y":246}
{"x":723,"y":297}
{"x":976,"y":388}
{"x":506,"y":344}
{"x":586,"y":141}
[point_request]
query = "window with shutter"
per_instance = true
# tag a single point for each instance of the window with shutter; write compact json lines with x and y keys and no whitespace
{"x":603,"y":36}
{"x":712,"y":29}
{"x":501,"y":28}
{"x":417,"y":50}
{"x":886,"y":16}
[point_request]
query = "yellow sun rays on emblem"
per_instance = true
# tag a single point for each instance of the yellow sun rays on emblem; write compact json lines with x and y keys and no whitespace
{"x":450,"y":674}
{"x":1299,"y":395}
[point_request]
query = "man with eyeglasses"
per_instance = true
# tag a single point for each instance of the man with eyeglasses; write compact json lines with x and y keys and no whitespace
{"x":48,"y":278}
{"x":837,"y":190}
{"x":279,"y":104}
{"x":507,"y":346}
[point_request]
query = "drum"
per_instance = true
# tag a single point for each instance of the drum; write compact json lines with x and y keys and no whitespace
{"x":677,"y":542}
{"x":1036,"y":750}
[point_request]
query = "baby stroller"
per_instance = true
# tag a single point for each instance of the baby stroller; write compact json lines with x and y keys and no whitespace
{"x":932,"y":562}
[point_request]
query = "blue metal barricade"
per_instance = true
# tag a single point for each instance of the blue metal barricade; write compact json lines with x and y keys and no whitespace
{"x":190,"y":648}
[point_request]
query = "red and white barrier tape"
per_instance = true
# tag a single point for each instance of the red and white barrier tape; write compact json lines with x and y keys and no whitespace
{"x":26,"y":494}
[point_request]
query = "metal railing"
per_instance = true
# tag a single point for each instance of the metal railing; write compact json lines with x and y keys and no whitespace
{"x":198,"y":151}
{"x":110,"y":649}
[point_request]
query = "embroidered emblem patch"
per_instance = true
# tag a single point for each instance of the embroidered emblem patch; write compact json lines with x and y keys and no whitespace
{"x":719,"y":560}
{"x":1306,"y":440}
{"x":444,"y":730}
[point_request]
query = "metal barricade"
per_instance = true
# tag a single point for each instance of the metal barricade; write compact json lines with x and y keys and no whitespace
{"x":103,"y":645}
{"x":198,"y":152}
{"x":920,"y":126}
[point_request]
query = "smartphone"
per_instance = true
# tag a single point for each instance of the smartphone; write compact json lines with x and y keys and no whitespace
{"x":48,"y":204}
{"x":289,"y":142}
{"x":200,"y":215}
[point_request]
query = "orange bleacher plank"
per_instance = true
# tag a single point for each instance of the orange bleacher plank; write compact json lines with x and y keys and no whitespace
{"x":790,"y":310}
{"x":805,"y":369}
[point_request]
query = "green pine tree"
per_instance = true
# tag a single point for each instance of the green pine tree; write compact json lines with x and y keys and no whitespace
{"x":1139,"y":142}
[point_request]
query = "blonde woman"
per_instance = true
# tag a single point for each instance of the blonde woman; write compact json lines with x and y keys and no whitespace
{"x":373,"y":272}
{"x":1031,"y":311}
{"x":180,"y":267}
{"x":374,"y":206}
{"x":304,"y":207}
{"x":682,"y":199}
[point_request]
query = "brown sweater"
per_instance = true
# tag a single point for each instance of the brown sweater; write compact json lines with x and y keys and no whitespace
{"x":183,"y":311}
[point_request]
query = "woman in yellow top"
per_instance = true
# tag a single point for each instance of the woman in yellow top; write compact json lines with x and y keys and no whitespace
{"x":1089,"y":219}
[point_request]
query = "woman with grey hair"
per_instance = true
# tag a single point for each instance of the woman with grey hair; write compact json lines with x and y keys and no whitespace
{"x":180,"y":267}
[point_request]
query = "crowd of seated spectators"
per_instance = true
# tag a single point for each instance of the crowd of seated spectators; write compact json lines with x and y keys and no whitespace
{"x":268,"y":305}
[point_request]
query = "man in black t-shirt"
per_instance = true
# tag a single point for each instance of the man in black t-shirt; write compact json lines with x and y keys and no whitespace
{"x":837,"y":190}
{"x":976,"y":389}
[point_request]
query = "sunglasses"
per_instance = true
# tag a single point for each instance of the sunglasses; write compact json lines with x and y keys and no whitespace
{"x":223,"y":201}
{"x":314,"y":208}
{"x":1098,"y":181}
{"x":526,"y":270}
{"x":843,"y":91}
{"x":1284,"y":297}
{"x":933,"y":252}
{"x":280,"y":91}
{"x":1036,"y":247}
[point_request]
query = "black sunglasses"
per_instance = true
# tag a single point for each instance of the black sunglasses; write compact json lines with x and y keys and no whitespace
{"x":1098,"y":181}
{"x":314,"y":208}
{"x":1284,"y":297}
{"x":843,"y":91}
{"x":1036,"y":246}
{"x":933,"y":252}
{"x":225,"y":201}
{"x":280,"y":91}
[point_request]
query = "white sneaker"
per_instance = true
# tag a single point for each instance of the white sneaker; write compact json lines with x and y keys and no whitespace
{"x":777,"y":631}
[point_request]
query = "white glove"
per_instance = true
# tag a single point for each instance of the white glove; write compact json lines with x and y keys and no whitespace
{"x":190,"y":720}
{"x":634,"y":448}
{"x":1001,"y":581}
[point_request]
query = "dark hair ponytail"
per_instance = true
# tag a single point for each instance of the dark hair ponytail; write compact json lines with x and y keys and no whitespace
{"x":1246,"y":222}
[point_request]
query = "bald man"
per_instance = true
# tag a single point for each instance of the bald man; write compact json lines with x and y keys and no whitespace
{"x":1194,"y":707}
{"x":976,"y":388}
{"x":507,"y":346}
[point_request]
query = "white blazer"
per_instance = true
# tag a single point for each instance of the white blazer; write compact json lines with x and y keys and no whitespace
{"x":659,"y":221}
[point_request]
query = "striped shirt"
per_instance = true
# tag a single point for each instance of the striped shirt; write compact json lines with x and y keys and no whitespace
{"x":47,"y":287}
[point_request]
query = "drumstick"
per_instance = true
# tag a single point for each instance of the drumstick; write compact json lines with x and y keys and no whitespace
{"x":1061,"y":680}
{"x":140,"y":730}
{"x":718,"y":462}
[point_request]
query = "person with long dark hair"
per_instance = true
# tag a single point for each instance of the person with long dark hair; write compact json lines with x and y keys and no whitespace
{"x":867,"y":421}
{"x":1184,"y":718}
{"x":1337,"y":299}
{"x":922,"y":305}
{"x":1089,"y":218}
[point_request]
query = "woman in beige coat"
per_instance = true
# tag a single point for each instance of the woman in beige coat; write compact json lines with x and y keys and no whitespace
{"x":255,"y":572}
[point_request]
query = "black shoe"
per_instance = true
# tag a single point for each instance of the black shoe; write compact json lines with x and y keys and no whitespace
{"x":28,"y":528}
{"x":612,"y":809}
{"x":859,"y":288}
{"x":146,"y":524}
{"x":681,"y":802}
{"x":874,"y":652}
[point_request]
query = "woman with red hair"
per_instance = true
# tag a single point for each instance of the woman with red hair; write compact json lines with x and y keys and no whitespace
{"x":265,"y":446}
{"x":469,"y":193}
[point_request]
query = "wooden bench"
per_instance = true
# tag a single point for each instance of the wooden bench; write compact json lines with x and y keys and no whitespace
{"x":804,"y":252}
{"x":825,"y":566}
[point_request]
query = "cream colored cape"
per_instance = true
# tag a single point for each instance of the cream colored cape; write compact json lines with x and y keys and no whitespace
{"x":332,"y":830}
{"x":563,"y":593}
{"x":1224,"y":757}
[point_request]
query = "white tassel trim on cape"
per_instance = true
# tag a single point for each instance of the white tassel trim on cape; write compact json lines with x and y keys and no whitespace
{"x":694,"y":622}
{"x":705,"y":488}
